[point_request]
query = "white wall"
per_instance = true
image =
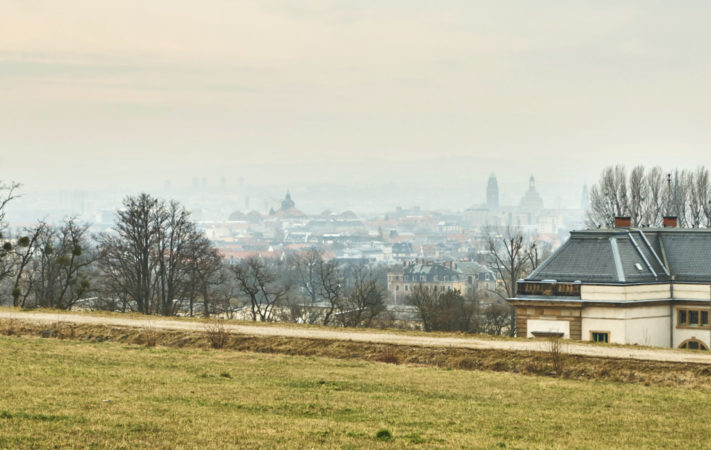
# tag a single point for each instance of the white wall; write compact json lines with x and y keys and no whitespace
{"x":622,"y":293}
{"x":643,"y":325}
{"x":692,"y":291}
{"x":548,"y":326}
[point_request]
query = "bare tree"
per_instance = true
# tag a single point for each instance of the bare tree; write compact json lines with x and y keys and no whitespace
{"x":262,"y":286}
{"x":426,"y":304}
{"x":331,"y":285}
{"x":8,"y":192}
{"x":25,"y":253}
{"x":305,"y":267}
{"x":507,"y":251}
{"x":537,"y":252}
{"x":180,"y":247}
{"x":363,"y":301}
{"x":64,"y":256}
{"x":496,"y":317}
{"x":224,"y":292}
{"x":510,"y":257}
{"x":150,"y":260}
{"x":445,"y":311}
{"x":128,"y":257}
{"x":646,"y":196}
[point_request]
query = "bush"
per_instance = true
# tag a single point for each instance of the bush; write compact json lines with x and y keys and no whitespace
{"x":150,"y":335}
{"x":388,"y":356}
{"x":216,"y":333}
{"x":383,"y":435}
{"x":556,"y":351}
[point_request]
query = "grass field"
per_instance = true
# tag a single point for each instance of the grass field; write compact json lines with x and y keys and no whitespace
{"x":70,"y":393}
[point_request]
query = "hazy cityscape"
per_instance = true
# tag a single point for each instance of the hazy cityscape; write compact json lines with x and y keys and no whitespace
{"x":338,"y":224}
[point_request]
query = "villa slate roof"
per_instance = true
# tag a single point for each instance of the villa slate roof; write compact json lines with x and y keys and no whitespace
{"x":627,"y":256}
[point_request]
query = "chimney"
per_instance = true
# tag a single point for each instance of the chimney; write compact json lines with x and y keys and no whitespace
{"x":450,"y":265}
{"x":670,"y":221}
{"x":623,"y":221}
{"x":404,"y":263}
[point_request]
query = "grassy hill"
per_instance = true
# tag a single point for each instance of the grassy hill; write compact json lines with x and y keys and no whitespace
{"x":84,"y":394}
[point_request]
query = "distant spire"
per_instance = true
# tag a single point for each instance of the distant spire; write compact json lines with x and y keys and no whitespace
{"x":492,"y":193}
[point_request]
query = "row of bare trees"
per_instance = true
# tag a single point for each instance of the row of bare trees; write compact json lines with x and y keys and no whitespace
{"x":647,"y":195}
{"x":308,"y":288}
{"x":45,"y":265}
{"x":156,"y":261}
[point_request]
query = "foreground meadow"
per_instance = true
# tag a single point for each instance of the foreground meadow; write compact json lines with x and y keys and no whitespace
{"x":81,"y":394}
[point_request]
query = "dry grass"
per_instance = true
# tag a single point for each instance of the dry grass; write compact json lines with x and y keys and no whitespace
{"x":67,"y":394}
{"x":558,"y":355}
{"x":8,"y":327}
{"x":149,"y":334}
{"x":575,"y":367}
{"x":216,"y":333}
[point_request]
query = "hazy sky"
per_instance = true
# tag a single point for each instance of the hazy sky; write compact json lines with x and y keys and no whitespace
{"x":101,"y":92}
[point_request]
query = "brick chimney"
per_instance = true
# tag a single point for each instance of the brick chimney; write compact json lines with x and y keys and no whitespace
{"x":670,"y":222}
{"x":623,"y":221}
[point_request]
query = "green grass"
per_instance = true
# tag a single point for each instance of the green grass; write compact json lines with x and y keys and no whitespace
{"x":80,"y":394}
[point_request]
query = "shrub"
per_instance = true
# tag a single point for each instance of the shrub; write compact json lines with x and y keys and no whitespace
{"x":383,"y":435}
{"x":150,"y":335}
{"x":216,"y":333}
{"x":388,"y":356}
{"x":556,"y":351}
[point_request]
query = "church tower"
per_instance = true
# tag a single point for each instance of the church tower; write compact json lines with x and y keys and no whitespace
{"x":492,"y":193}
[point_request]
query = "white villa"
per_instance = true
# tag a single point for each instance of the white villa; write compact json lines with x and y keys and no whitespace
{"x":646,"y":286}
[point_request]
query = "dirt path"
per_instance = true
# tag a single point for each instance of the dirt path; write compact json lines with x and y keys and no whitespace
{"x":647,"y":354}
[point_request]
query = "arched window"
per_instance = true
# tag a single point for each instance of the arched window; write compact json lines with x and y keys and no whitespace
{"x":693,"y":344}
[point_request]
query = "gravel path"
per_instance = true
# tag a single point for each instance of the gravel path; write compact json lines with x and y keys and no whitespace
{"x":668,"y":355}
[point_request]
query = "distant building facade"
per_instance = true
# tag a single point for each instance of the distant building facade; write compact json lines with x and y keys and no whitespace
{"x":466,"y":277}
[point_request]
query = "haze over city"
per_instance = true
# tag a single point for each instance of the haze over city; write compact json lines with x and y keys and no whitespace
{"x":355,"y":224}
{"x":407,"y":101}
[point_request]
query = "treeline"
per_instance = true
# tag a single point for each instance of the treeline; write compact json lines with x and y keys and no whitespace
{"x":156,"y":261}
{"x":647,"y":195}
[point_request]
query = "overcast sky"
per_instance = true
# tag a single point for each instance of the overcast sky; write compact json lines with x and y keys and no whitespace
{"x":100,"y":92}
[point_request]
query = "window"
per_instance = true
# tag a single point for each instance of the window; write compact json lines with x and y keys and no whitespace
{"x":405,"y":287}
{"x":692,"y":318}
{"x":693,"y":344}
{"x":600,"y":336}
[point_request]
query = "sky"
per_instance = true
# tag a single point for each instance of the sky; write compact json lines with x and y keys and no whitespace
{"x":286,"y":93}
